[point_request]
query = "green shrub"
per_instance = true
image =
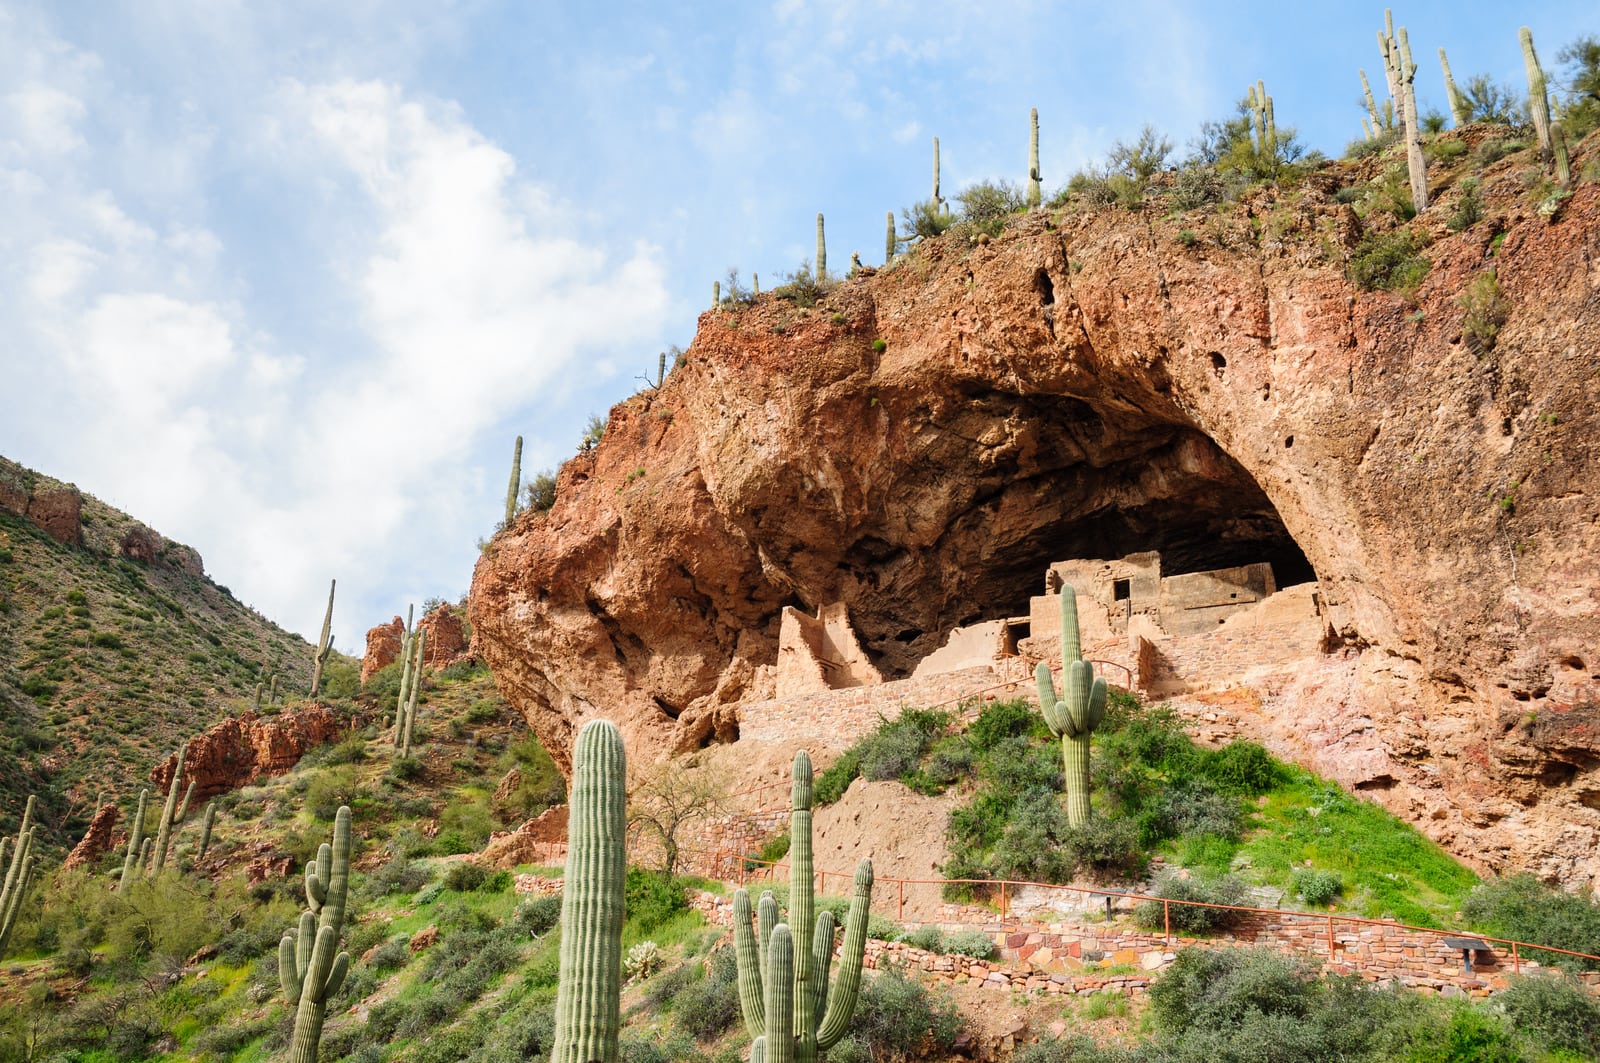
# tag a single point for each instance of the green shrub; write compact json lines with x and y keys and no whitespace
{"x":974,"y":943}
{"x":1522,"y":908}
{"x":1316,"y":886}
{"x":652,"y":898}
{"x":1191,"y":918}
{"x":399,"y":875}
{"x":1197,"y":186}
{"x":541,"y":491}
{"x":1240,"y":768}
{"x":708,"y":1008}
{"x":1220,"y":988}
{"x":1558,"y":1011}
{"x":1388,"y":261}
{"x":1469,"y":207}
{"x":772,"y":850}
{"x":1107,"y":847}
{"x":537,"y":916}
{"x":926,"y":220}
{"x":929,"y":938}
{"x":1485,"y":310}
{"x":465,"y":876}
{"x":987,"y":204}
{"x":899,"y":1018}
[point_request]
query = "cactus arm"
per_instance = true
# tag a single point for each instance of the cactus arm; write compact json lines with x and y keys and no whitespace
{"x":1048,"y":704}
{"x":842,"y":997}
{"x":319,"y":656}
{"x":289,"y":967}
{"x":758,"y":1050}
{"x":780,"y":1001}
{"x":341,"y":967}
{"x":205,"y":828}
{"x":748,"y":965}
{"x":588,"y":994}
{"x":821,"y":960}
{"x":766,"y":919}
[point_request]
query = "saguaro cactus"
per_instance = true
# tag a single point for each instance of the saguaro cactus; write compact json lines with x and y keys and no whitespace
{"x":1460,"y":107}
{"x":324,"y":650}
{"x":938,"y":201}
{"x":819,"y":1014}
{"x":136,"y":840}
{"x":589,"y":993}
{"x":164,"y":834}
{"x":1372,"y":106}
{"x":888,"y":238}
{"x":1416,"y":164}
{"x":406,"y":637}
{"x":1552,"y":142}
{"x":205,"y":829}
{"x":716,"y":294}
{"x":1035,"y":194}
{"x":1074,"y":716}
{"x":421,"y":640}
{"x":822,"y":250}
{"x":19,"y":874}
{"x":516,"y":480}
{"x":308,"y":970}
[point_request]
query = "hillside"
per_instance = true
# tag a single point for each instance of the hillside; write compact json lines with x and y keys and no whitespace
{"x":1396,"y":413}
{"x":114,"y":647}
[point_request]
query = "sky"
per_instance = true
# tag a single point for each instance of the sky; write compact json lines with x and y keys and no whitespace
{"x":286,"y":280}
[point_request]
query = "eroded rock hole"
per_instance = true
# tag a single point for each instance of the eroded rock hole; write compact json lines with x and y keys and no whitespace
{"x":1218,"y":364}
{"x":1045,"y":287}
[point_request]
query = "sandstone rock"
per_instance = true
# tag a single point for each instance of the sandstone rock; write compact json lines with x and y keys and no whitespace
{"x":535,"y":842}
{"x":424,"y":938}
{"x":97,"y":840}
{"x":240,"y":750}
{"x":149,"y":547}
{"x":446,"y":641}
{"x":383,"y":648}
{"x":57,"y":510}
{"x":1090,"y":386}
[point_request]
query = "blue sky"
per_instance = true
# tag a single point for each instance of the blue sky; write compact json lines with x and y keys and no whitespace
{"x":285,"y":280}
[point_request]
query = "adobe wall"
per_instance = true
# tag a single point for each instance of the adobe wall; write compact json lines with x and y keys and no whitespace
{"x":820,"y":653}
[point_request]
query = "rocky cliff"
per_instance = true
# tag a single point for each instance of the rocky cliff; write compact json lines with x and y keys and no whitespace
{"x":923,"y":441}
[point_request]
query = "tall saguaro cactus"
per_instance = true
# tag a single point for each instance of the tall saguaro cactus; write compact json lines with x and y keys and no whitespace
{"x":938,"y":200}
{"x":589,"y":993}
{"x":19,"y":874}
{"x":1460,"y":106}
{"x":1552,"y":142}
{"x":205,"y":829}
{"x":1035,"y":194}
{"x":136,"y":840}
{"x":164,"y":834}
{"x":324,"y":650}
{"x":822,"y":251}
{"x":1416,"y":164}
{"x":794,"y":1025}
{"x":516,"y":481}
{"x":888,"y":238}
{"x":406,"y":637}
{"x":1074,"y":716}
{"x":421,"y":639}
{"x":308,"y":970}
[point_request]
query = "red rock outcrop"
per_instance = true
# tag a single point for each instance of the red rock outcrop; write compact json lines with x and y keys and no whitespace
{"x":383,"y":648}
{"x":537,"y":841}
{"x":58,"y":511}
{"x":240,"y":750}
{"x":446,"y":640}
{"x":97,"y":840}
{"x":1088,"y":384}
{"x":149,"y":547}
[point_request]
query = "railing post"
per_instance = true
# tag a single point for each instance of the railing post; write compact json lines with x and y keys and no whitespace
{"x":1516,"y":960}
{"x":1166,"y":919}
{"x":1002,"y":902}
{"x":900,"y":900}
{"x":1330,"y":937}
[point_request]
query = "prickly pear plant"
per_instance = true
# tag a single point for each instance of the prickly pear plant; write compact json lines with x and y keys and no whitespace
{"x":136,"y":840}
{"x":516,"y":481}
{"x":795,"y":1024}
{"x":589,"y":993}
{"x":1074,"y":716}
{"x":320,"y":655}
{"x":19,"y":874}
{"x":308,"y":970}
{"x":164,"y":834}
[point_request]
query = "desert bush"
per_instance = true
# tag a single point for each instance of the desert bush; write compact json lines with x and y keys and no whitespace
{"x":987,"y":204}
{"x":929,"y":938}
{"x":974,"y":943}
{"x":926,"y":219}
{"x":1362,"y":147}
{"x":1107,"y":847}
{"x":537,"y":915}
{"x":900,"y":1018}
{"x":1485,"y":309}
{"x":1141,"y":159}
{"x":1389,"y":261}
{"x":523,"y":1031}
{"x":1240,"y":768}
{"x":1558,"y":1011}
{"x":1469,"y":207}
{"x":1316,"y":886}
{"x":540,"y":492}
{"x":1191,"y":918}
{"x":707,"y":1008}
{"x":465,"y":876}
{"x":1522,"y":908}
{"x":1197,"y":186}
{"x":1036,"y":843}
{"x":652,"y":898}
{"x":398,"y":875}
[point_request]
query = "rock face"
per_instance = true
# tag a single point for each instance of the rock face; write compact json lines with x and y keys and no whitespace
{"x":240,"y":750}
{"x":446,"y":640}
{"x":97,"y":840}
{"x":57,"y":510}
{"x":926,"y":440}
{"x":383,"y":648}
{"x":148,"y":547}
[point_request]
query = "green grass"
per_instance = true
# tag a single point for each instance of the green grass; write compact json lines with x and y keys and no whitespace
{"x":1395,"y":872}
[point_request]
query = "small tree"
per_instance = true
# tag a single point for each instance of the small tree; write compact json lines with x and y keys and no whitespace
{"x":664,"y":803}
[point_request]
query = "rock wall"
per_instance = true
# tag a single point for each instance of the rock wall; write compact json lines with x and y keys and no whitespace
{"x":383,"y":648}
{"x":245,"y":748}
{"x":925,"y":441}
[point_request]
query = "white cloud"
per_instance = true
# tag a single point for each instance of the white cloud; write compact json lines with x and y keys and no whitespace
{"x":45,"y":119}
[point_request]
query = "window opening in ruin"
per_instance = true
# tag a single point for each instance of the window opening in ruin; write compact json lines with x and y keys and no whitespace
{"x":1121,"y":590}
